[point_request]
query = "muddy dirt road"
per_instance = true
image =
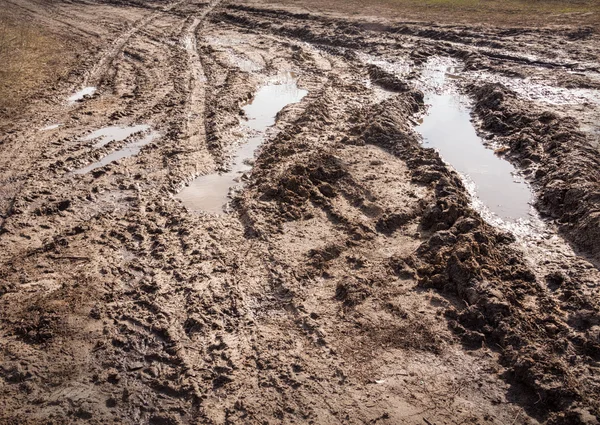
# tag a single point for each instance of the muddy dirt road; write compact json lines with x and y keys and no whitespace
{"x":227,"y":214}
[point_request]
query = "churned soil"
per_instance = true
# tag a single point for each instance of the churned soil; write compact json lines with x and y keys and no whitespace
{"x":352,"y":280}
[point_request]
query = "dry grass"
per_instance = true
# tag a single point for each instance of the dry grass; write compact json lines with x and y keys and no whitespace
{"x":29,"y":59}
{"x":497,"y":12}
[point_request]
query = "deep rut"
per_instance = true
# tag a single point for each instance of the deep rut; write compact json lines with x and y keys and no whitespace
{"x":351,"y":283}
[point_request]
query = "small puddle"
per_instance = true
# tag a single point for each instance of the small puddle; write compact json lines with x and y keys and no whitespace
{"x":50,"y":127}
{"x":110,"y":134}
{"x":127,"y":151}
{"x":188,"y":43}
{"x":447,"y":127}
{"x":86,"y":91}
{"x":210,"y":193}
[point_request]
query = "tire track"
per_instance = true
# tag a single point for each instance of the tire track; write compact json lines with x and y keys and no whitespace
{"x":194,"y":140}
{"x":94,"y":75}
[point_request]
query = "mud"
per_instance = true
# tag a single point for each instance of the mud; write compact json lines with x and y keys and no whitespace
{"x":81,"y":94}
{"x":211,"y":193}
{"x":353,"y":278}
{"x":447,"y":128}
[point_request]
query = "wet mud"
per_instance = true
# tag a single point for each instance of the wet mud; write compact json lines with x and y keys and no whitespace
{"x":447,"y":127}
{"x":211,"y":193}
{"x":354,"y":277}
{"x":560,"y":159}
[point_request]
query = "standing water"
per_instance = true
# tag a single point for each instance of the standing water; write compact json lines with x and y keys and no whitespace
{"x":114,"y":133}
{"x":50,"y":127}
{"x":210,"y":193}
{"x":491,"y":180}
{"x":106,"y":135}
{"x":86,"y":91}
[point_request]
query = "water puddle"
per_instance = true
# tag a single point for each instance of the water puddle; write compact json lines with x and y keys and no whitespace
{"x":50,"y":127}
{"x":188,"y":43}
{"x":493,"y":182}
{"x":447,"y":127}
{"x":86,"y":91}
{"x":131,"y":149}
{"x":114,"y":133}
{"x":210,"y":193}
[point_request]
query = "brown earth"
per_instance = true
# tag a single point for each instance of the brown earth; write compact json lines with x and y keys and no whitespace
{"x":507,"y":13}
{"x":352,"y":281}
{"x":33,"y":57}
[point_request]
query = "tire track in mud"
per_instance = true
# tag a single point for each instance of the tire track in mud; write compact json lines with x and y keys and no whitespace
{"x":516,"y":358}
{"x":130,"y":78}
{"x":323,"y":302}
{"x":94,"y":75}
{"x":479,"y":49}
{"x":196,"y":102}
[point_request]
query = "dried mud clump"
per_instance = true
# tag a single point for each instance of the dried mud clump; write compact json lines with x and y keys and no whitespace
{"x":303,"y":183}
{"x":558,"y":158}
{"x":414,"y":333}
{"x":352,"y":292}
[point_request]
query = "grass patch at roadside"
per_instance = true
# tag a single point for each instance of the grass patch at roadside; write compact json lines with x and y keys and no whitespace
{"x":29,"y":59}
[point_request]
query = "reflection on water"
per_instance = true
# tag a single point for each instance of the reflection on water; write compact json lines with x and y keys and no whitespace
{"x":448,"y":128}
{"x":210,"y":193}
{"x":114,"y":133}
{"x":86,"y":91}
{"x":130,"y":149}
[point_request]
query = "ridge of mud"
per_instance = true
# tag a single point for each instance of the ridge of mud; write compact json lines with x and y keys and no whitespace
{"x":502,"y":305}
{"x":433,"y":30}
{"x":556,"y":157}
{"x":488,"y":45}
{"x":229,"y":89}
{"x":352,"y":283}
{"x":495,"y":298}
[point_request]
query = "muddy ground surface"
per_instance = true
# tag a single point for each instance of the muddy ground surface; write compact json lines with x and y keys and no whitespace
{"x":351,"y":281}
